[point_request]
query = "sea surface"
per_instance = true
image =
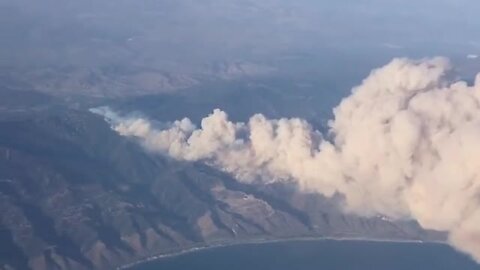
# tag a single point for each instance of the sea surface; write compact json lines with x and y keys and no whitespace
{"x":321,"y":254}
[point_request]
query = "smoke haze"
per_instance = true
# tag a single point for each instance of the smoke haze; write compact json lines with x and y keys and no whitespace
{"x":404,"y":144}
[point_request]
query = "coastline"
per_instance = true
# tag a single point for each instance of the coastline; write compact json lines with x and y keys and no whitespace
{"x":213,"y":245}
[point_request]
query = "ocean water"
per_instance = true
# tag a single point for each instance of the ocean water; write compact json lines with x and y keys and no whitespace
{"x":321,"y":254}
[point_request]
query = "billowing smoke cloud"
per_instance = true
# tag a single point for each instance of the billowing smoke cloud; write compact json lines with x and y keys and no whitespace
{"x":405,"y":144}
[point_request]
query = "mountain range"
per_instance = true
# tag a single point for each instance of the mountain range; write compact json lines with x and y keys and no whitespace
{"x":76,"y":195}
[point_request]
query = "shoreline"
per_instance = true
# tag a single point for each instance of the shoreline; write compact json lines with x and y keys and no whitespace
{"x":220,"y":244}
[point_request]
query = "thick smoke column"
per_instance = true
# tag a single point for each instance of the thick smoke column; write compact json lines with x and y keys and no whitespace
{"x":406,"y":144}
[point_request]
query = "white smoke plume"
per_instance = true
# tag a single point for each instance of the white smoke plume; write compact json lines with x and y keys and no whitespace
{"x":406,"y":144}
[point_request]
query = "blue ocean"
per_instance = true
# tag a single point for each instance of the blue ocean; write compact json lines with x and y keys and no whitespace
{"x":321,"y":254}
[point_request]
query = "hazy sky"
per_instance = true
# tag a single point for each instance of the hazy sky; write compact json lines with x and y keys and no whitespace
{"x":164,"y":32}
